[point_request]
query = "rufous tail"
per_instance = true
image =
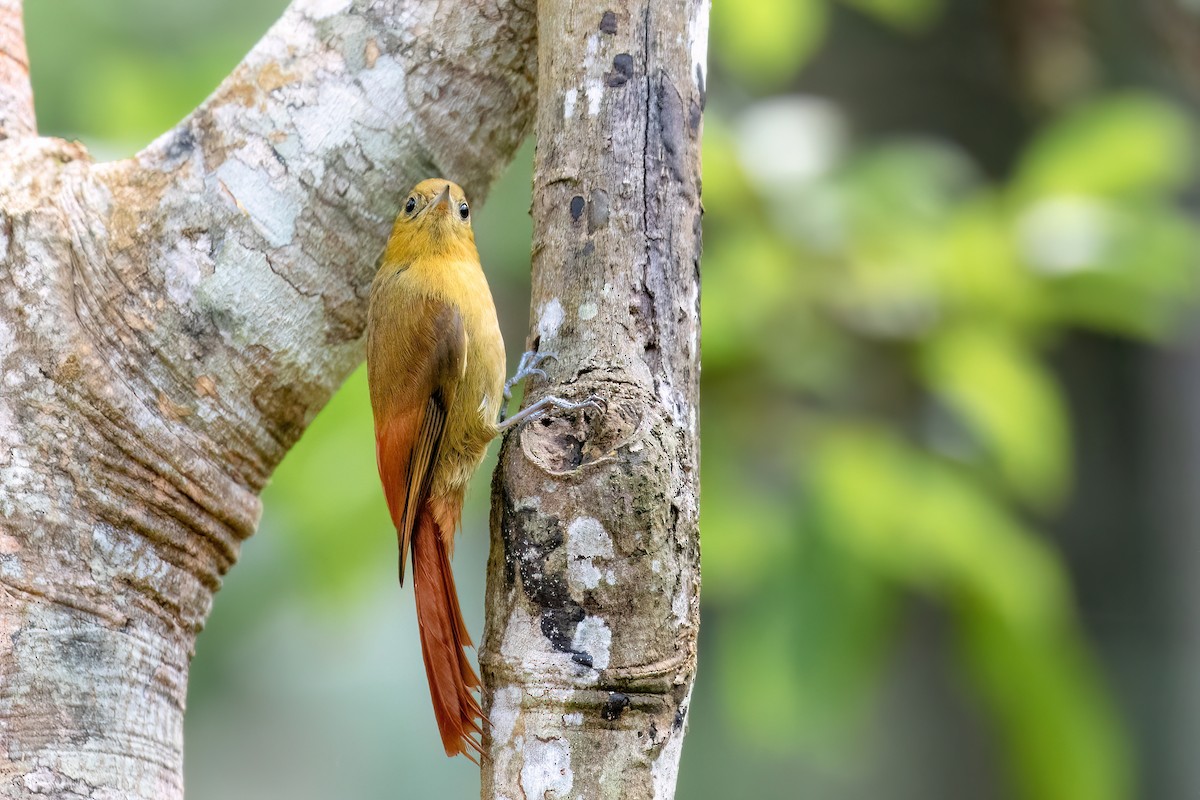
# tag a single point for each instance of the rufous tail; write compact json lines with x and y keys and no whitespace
{"x":443,"y":637}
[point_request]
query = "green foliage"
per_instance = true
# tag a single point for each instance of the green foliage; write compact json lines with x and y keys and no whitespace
{"x":765,"y":42}
{"x":132,"y":68}
{"x":1123,"y":144}
{"x":1091,"y":205}
{"x":325,"y":496}
{"x":895,"y":312}
{"x":1011,"y":404}
{"x":807,"y":650}
{"x":1052,"y":710}
{"x":904,"y":15}
{"x":925,"y":525}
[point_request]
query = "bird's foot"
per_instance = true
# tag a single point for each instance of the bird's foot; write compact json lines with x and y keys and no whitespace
{"x":526,"y":367}
{"x":546,"y":403}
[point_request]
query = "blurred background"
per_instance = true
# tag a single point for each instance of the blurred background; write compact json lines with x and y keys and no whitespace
{"x":951,"y":416}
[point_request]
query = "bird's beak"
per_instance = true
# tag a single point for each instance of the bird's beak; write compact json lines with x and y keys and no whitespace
{"x":443,"y":199}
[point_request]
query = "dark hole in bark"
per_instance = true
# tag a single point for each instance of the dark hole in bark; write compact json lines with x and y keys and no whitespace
{"x":615,"y":707}
{"x":621,"y":72}
{"x":556,"y":442}
{"x":680,"y":714}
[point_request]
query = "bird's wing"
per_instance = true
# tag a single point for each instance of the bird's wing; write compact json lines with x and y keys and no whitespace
{"x":415,"y":365}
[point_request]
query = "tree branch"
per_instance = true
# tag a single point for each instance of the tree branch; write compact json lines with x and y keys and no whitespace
{"x":589,"y":651}
{"x":169,"y":324}
{"x":16,"y":95}
{"x":298,"y":163}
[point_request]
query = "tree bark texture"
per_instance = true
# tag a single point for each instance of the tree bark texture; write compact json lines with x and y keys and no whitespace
{"x":169,"y":324}
{"x":589,"y":651}
{"x":16,"y":93}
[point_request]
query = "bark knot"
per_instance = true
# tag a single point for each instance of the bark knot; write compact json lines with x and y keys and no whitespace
{"x":563,"y":444}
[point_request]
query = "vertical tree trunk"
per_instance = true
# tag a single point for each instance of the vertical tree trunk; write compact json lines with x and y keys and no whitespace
{"x":589,"y":651}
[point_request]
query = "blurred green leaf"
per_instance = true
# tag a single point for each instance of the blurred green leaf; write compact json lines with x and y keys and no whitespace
{"x":1118,"y":144}
{"x":906,"y":15}
{"x":120,"y":73}
{"x":907,"y":182}
{"x":727,"y":192}
{"x":801,"y":666}
{"x":326,"y":500}
{"x":750,"y":279}
{"x":748,"y":528}
{"x":1063,"y":737}
{"x":750,"y":523}
{"x":924,"y":526}
{"x":897,"y":202}
{"x":929,"y":527}
{"x":1143,"y":278}
{"x":129,"y":103}
{"x":980,"y":273}
{"x":1011,"y":404}
{"x":766,"y":42}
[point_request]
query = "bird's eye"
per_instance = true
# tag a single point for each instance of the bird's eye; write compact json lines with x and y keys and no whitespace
{"x":463,"y":211}
{"x":410,"y":205}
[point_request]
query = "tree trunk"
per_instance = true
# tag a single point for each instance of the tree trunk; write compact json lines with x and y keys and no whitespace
{"x":589,"y":651}
{"x":169,"y":325}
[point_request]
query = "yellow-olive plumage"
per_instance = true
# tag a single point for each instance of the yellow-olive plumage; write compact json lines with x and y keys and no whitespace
{"x":435,"y":365}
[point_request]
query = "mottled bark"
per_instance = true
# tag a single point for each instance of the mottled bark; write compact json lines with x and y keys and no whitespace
{"x":169,"y":324}
{"x":589,"y":651}
{"x":16,"y":93}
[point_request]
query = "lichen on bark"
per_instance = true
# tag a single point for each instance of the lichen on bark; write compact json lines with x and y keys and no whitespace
{"x":589,"y":651}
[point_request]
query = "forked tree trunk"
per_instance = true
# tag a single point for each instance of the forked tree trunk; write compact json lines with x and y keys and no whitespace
{"x":169,"y":324}
{"x":592,"y":604}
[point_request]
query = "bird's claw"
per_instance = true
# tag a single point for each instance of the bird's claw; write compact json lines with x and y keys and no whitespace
{"x":596,"y":402}
{"x":527,"y":366}
{"x":591,"y":401}
{"x":542,"y":406}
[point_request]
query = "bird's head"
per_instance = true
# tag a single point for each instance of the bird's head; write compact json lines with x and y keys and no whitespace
{"x":434,"y":218}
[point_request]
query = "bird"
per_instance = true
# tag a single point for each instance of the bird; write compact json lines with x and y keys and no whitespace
{"x":436,"y":374}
